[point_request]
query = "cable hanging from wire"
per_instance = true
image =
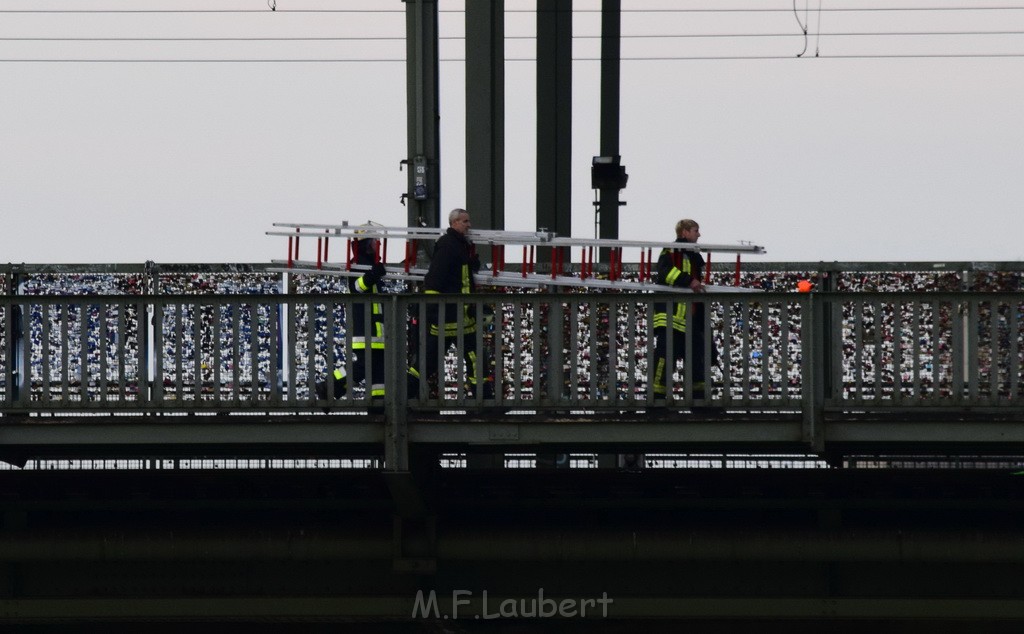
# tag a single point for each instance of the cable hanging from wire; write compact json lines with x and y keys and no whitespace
{"x":817,"y":39}
{"x":802,"y":25}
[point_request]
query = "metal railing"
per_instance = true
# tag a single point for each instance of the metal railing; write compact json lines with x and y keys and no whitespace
{"x":543,"y":351}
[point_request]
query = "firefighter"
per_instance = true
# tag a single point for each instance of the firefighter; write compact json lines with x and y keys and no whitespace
{"x":367,"y":338}
{"x":683,"y":269}
{"x":451,"y":271}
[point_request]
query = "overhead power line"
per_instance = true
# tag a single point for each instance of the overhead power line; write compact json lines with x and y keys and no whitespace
{"x":400,"y":38}
{"x":176,"y":56}
{"x":664,"y":58}
{"x":184,"y":11}
{"x":460,"y":11}
{"x":778,"y":10}
{"x":383,"y":38}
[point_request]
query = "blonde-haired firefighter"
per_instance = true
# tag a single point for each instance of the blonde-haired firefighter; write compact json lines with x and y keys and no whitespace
{"x":683,"y":268}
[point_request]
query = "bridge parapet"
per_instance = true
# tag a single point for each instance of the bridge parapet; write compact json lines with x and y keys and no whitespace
{"x":825,"y":359}
{"x":575,"y":350}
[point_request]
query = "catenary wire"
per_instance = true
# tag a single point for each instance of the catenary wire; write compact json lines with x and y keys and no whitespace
{"x":460,"y":11}
{"x":399,"y":38}
{"x":662,"y":58}
{"x":820,"y":9}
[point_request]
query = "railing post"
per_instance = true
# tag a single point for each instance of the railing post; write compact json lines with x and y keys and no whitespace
{"x":149,"y":334}
{"x":10,"y":291}
{"x":814,"y":369}
{"x":18,"y":364}
{"x":156,"y":318}
{"x":396,"y":421}
{"x":556,"y":373}
{"x":142,"y":376}
{"x":13,"y":373}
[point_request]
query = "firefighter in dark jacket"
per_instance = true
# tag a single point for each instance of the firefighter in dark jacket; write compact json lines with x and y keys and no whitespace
{"x":684,"y":269}
{"x":364,"y":336}
{"x":451,"y":272}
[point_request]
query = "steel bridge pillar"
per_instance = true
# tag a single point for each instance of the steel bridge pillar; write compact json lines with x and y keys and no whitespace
{"x":424,"y":140}
{"x":554,"y":116}
{"x":485,"y":113}
{"x":608,"y":188}
{"x":414,"y":536}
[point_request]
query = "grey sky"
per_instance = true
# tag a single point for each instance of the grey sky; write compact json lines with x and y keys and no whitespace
{"x":828,"y":158}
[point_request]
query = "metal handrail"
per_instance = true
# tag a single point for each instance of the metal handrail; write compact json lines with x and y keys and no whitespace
{"x":564,"y":351}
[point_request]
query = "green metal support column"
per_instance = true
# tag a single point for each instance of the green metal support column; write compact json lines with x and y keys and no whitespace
{"x":814,"y":370}
{"x":396,"y":415}
{"x":423,"y":161}
{"x":554,"y":116}
{"x":485,"y":112}
{"x":608,"y":209}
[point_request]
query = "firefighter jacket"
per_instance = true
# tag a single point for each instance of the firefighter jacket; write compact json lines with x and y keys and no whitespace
{"x":366,"y":284}
{"x":451,"y":271}
{"x":677,"y":268}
